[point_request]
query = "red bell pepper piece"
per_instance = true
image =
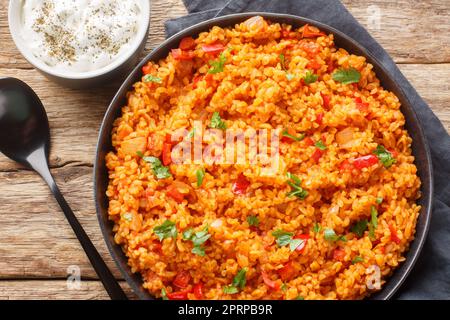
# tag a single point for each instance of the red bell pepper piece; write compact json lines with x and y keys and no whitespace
{"x":362,"y":106}
{"x":365,"y":161}
{"x":198,"y":291}
{"x":274,"y":285}
{"x":394,"y":236}
{"x":326,"y":101}
{"x":179,"y":54}
{"x":178,"y":295}
{"x":187,"y":43}
{"x":317,"y":155}
{"x":314,"y":65}
{"x":309,"y":32}
{"x":287,"y":272}
{"x":338,"y":254}
{"x":182,"y":279}
{"x":173,"y":192}
{"x":319,"y":118}
{"x":241,"y":185}
{"x":213,"y":48}
{"x":308,"y":142}
{"x":166,"y":153}
{"x":146,"y":69}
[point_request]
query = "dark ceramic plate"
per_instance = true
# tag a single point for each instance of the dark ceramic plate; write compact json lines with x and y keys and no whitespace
{"x":420,"y":146}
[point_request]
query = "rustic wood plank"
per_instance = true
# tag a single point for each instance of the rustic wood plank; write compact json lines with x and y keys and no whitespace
{"x":402,"y":28}
{"x":55,"y":290}
{"x":35,"y":238}
{"x":412,"y":31}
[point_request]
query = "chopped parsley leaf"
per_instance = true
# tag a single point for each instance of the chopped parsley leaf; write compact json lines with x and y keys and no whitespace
{"x":359,"y":227}
{"x":284,"y":238}
{"x":384,"y":156}
{"x":317,"y":228}
{"x":200,"y":176}
{"x":320,"y":145}
{"x":357,"y":259}
{"x":310,"y":77}
{"x":295,"y":183}
{"x":253,"y":221}
{"x":285,"y":133}
{"x":166,"y":230}
{"x":238,"y":282}
{"x":217,"y":65}
{"x":151,"y":78}
{"x":347,"y":76}
{"x":330,"y":235}
{"x":160,"y":171}
{"x":164,"y":294}
{"x":217,"y":122}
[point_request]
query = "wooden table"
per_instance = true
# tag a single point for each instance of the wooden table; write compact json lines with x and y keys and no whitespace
{"x":37,"y":245}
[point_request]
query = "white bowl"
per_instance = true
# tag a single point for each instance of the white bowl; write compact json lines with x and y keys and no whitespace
{"x":116,"y":69}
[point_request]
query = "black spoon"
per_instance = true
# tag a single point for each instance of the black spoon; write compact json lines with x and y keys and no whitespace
{"x":25,"y":138}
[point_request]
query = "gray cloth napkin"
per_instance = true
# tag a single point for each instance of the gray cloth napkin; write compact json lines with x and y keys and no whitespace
{"x":430,"y":278}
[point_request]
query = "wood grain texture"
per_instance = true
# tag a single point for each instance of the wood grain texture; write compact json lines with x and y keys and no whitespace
{"x":36,"y":243}
{"x":55,"y":290}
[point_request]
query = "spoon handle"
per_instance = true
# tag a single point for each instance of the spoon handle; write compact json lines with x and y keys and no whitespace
{"x":109,"y":282}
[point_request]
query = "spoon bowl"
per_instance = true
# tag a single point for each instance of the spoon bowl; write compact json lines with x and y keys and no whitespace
{"x":24,"y":127}
{"x":25,"y":138}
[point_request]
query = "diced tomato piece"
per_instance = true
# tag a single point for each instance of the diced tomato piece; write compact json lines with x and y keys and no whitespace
{"x":319,"y":118}
{"x":311,"y":48}
{"x":179,"y":54}
{"x":166,"y":153}
{"x":362,"y":106}
{"x":331,"y":66}
{"x":287,"y":139}
{"x":179,"y":295}
{"x":317,"y":155}
{"x":182,"y":279}
{"x":168,"y":138}
{"x":274,"y":285}
{"x":311,"y":32}
{"x":187,"y":43}
{"x":309,"y":142}
{"x":338,"y":254}
{"x":173,"y":192}
{"x":305,"y":237}
{"x":287,"y":272}
{"x":157,"y":247}
{"x":365,"y":161}
{"x":213,"y":48}
{"x":326,"y":101}
{"x":241,"y":185}
{"x":146,"y":69}
{"x":196,"y":79}
{"x":286,"y":34}
{"x":394,"y":236}
{"x":314,"y":65}
{"x":345,"y":165}
{"x":198,"y":291}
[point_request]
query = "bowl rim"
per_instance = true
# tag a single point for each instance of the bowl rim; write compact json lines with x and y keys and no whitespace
{"x":14,"y":17}
{"x":385,"y":293}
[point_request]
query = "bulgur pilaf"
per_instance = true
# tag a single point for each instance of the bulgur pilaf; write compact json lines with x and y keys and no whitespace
{"x":340,"y":206}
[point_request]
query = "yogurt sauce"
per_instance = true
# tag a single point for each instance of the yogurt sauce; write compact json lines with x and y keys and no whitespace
{"x":80,"y":35}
